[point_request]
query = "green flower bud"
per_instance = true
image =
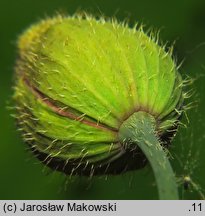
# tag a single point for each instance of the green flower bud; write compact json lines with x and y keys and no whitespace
{"x":78,"y":79}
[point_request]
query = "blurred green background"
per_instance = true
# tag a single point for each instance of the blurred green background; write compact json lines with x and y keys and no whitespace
{"x":23,"y":177}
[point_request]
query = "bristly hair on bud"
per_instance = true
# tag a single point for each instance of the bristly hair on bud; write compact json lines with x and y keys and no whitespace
{"x":94,"y":96}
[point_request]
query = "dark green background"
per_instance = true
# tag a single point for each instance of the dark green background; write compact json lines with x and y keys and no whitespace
{"x":23,"y":177}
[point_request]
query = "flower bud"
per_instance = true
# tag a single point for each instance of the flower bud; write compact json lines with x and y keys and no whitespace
{"x":78,"y":79}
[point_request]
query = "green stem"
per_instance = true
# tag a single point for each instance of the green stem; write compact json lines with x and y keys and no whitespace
{"x":139,"y":129}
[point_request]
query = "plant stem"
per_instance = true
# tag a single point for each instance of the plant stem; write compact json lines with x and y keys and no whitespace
{"x":139,"y":129}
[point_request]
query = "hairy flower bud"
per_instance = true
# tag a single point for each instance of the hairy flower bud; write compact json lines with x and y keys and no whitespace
{"x":78,"y":79}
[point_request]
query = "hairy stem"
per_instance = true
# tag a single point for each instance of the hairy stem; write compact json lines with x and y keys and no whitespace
{"x":139,"y":129}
